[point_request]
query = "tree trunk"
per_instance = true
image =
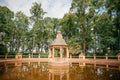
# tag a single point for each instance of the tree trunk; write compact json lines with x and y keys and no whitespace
{"x":6,"y":56}
{"x":33,"y":43}
{"x":83,"y":39}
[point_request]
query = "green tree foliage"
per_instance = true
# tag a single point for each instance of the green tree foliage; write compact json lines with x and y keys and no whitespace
{"x":38,"y":29}
{"x":20,"y":30}
{"x":3,"y":49}
{"x":113,"y":8}
{"x":79,"y":8}
{"x":90,"y":25}
{"x":68,"y":23}
{"x":103,"y":32}
{"x":37,"y":12}
{"x":6,"y":16}
{"x":51,"y":27}
{"x":70,"y":32}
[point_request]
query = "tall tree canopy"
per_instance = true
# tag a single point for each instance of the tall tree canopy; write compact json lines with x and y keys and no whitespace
{"x":90,"y":26}
{"x":38,"y":29}
{"x":6,"y":16}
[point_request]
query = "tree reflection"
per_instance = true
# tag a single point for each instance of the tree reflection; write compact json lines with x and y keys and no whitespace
{"x":41,"y":71}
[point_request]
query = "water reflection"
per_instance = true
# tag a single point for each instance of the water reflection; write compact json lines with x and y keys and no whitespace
{"x":18,"y":63}
{"x":58,"y":73}
{"x":41,"y":71}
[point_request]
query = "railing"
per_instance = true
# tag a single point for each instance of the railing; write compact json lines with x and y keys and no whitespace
{"x":76,"y":57}
{"x":8,"y":56}
{"x":102,"y":57}
{"x":24,"y":56}
{"x":96,"y":57}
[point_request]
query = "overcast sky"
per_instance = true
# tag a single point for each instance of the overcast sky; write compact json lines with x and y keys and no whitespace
{"x":54,"y":8}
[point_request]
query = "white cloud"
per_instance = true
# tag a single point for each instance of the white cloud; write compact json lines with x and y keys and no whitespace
{"x":54,"y":8}
{"x":58,"y":8}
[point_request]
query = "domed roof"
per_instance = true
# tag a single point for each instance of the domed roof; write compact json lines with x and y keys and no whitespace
{"x":59,"y":40}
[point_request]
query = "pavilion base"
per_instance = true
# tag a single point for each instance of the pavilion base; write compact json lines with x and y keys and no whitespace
{"x":58,"y":62}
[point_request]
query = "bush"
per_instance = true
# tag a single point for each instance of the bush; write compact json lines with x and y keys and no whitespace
{"x":12,"y":53}
{"x":89,"y":54}
{"x":3,"y":49}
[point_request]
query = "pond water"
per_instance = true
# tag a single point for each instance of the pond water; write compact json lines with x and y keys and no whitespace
{"x":41,"y":71}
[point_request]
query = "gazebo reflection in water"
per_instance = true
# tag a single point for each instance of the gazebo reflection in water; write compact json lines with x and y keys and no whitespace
{"x":60,"y":45}
{"x":58,"y":73}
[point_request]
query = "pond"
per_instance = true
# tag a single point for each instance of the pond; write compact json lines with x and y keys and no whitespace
{"x":42,"y":71}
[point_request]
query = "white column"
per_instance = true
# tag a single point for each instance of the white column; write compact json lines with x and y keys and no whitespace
{"x":49,"y":53}
{"x":67,"y":52}
{"x":39,"y":56}
{"x":29,"y":56}
{"x":53,"y":52}
{"x":60,"y":52}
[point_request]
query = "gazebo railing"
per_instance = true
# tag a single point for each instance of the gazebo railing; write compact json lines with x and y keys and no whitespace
{"x":58,"y":60}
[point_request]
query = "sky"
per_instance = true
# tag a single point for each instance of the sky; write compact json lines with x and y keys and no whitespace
{"x":54,"y":8}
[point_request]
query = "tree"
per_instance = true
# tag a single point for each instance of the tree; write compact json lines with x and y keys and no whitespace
{"x":3,"y":50}
{"x":20,"y":30}
{"x":70,"y":32}
{"x":6,"y":23}
{"x":37,"y":18}
{"x":51,"y":27}
{"x":79,"y":8}
{"x":68,"y":25}
{"x":103,"y":31}
{"x":113,"y":8}
{"x":6,"y":16}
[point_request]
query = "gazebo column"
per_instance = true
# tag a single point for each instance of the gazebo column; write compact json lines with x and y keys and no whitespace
{"x":52,"y":52}
{"x":60,"y":52}
{"x":67,"y":52}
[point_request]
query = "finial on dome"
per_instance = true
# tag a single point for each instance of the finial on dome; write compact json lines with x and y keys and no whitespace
{"x":59,"y":34}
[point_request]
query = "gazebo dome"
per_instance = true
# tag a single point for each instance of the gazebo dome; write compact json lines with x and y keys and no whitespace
{"x":59,"y":40}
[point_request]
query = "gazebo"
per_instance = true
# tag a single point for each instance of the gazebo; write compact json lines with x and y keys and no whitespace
{"x":58,"y":73}
{"x":60,"y":45}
